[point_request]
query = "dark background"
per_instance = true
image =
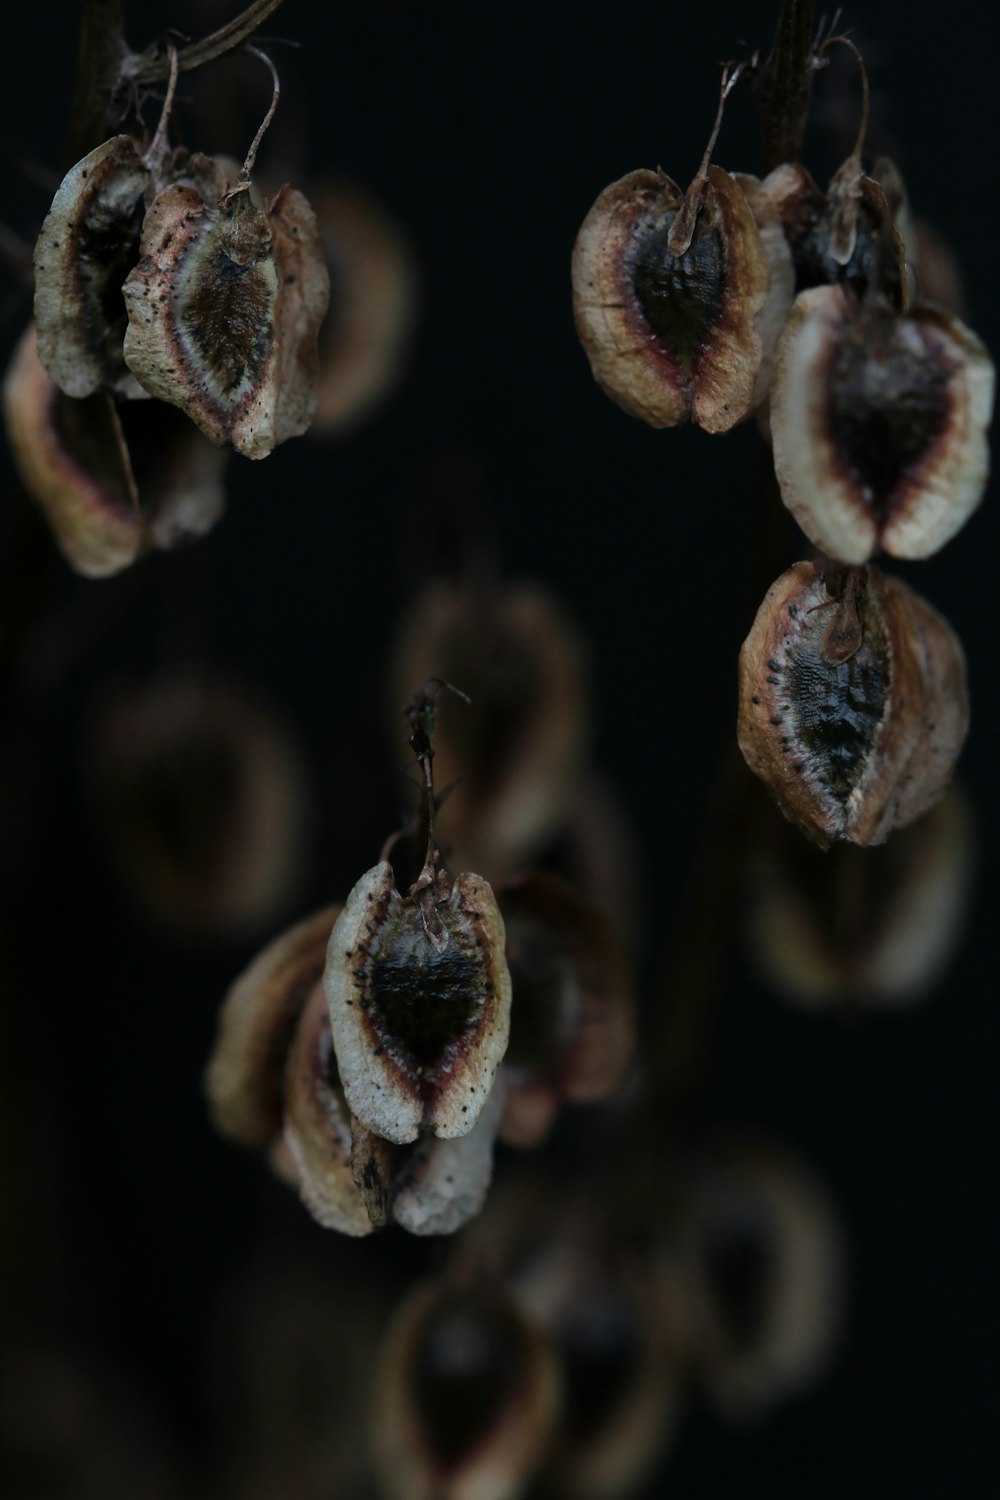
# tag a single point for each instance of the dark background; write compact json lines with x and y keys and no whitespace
{"x":488,"y":131}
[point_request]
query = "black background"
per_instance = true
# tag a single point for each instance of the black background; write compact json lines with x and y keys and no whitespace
{"x":488,"y":131}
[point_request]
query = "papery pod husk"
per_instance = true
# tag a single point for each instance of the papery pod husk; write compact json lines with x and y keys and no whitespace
{"x":512,"y":757}
{"x":672,"y":338}
{"x":773,"y":315}
{"x":879,"y":423}
{"x":761,"y":1253}
{"x":932,"y":271}
{"x":420,"y":1021}
{"x":245,"y":1079}
{"x":440,"y":1185}
{"x":573,"y":1005}
{"x":852,"y":928}
{"x":224,"y":312}
{"x":113,"y":482}
{"x":203,"y":801}
{"x":464,"y":1399}
{"x":87,"y":246}
{"x":373,"y":293}
{"x":877,"y":261}
{"x":851,"y":743}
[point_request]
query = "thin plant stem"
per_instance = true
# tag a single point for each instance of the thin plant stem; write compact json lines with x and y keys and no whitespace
{"x":101,"y":54}
{"x":784,"y":83}
{"x":152,"y":66}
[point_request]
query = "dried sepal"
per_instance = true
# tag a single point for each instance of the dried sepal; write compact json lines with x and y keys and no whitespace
{"x":573,"y":1010}
{"x":214,"y":326}
{"x":419,"y":997}
{"x":860,"y":927}
{"x":114,"y":482}
{"x":671,"y":334}
{"x":86,"y":247}
{"x":317,"y":1125}
{"x":464,"y":1398}
{"x":879,"y":424}
{"x":853,"y":702}
{"x":245,"y":1080}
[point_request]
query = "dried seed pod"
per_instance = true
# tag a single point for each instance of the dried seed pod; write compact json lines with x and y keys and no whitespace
{"x":441,"y":1184}
{"x":366,"y":333}
{"x":203,"y":798}
{"x":114,"y":482}
{"x":773,"y":315}
{"x":572,"y":1031}
{"x":669,"y":320}
{"x":853,"y":927}
{"x":419,"y":997}
{"x":224,"y":310}
{"x":761,"y":1255}
{"x":464,"y":1398}
{"x":514,"y":753}
{"x":853,"y":704}
{"x":879,"y":425}
{"x":87,"y":246}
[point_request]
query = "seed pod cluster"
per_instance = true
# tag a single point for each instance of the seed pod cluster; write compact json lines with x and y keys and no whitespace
{"x":853,"y":704}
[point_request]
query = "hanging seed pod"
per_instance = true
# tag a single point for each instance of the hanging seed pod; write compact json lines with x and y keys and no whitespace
{"x":514,"y":754}
{"x":419,"y":997}
{"x":860,"y":927}
{"x":761,"y":1255}
{"x":203,"y":800}
{"x":853,"y":704}
{"x":366,"y":334}
{"x":114,"y":482}
{"x":572,"y":1032}
{"x":876,"y":262}
{"x":224,"y":309}
{"x":464,"y":1398}
{"x":773,"y":315}
{"x":879,"y":424}
{"x":667,"y":290}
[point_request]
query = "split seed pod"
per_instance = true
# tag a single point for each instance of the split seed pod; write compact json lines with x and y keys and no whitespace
{"x":853,"y":703}
{"x":224,"y":310}
{"x":114,"y":482}
{"x":879,"y":425}
{"x":464,"y":1399}
{"x":419,"y":996}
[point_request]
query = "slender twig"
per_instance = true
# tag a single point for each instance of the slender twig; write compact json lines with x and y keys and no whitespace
{"x":101,"y":54}
{"x":153,"y":65}
{"x":784,"y":83}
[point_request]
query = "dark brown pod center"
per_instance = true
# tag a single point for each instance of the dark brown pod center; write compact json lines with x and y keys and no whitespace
{"x":539,"y":1017}
{"x":107,"y":247}
{"x":889,"y":404}
{"x":228,"y":318}
{"x":180,"y":799}
{"x":601,"y":1344}
{"x":737,"y":1257}
{"x":680,"y":296}
{"x":874,"y":262}
{"x":835,"y":708}
{"x":421,"y":1003}
{"x":466,"y":1370}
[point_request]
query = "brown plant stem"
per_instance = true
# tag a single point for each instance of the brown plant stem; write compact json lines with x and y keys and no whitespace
{"x":152,"y":66}
{"x":101,"y":54}
{"x":784,"y":83}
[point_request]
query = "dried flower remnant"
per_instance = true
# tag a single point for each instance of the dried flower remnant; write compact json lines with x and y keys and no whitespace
{"x":853,"y":703}
{"x":365,"y":335}
{"x":464,"y":1399}
{"x":668,"y":287}
{"x":760,"y":1252}
{"x":572,"y":1032}
{"x":879,"y":424}
{"x":860,"y":927}
{"x":114,"y":482}
{"x":514,"y":755}
{"x":203,"y":799}
{"x":224,"y":309}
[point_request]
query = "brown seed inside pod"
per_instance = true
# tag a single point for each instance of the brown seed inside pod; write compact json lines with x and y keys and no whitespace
{"x":668,"y":321}
{"x":879,"y":424}
{"x":853,"y":703}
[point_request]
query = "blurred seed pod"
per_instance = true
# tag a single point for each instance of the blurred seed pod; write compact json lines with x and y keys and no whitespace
{"x":932,"y":270}
{"x":853,"y":928}
{"x":273,"y":1082}
{"x":203,"y":800}
{"x":224,"y":309}
{"x":819,"y":232}
{"x":419,"y":996}
{"x":668,"y":288}
{"x":464,"y":1398}
{"x":761,"y":1257}
{"x":853,"y":702}
{"x":572,"y":1033}
{"x":114,"y":482}
{"x":365,"y":336}
{"x":514,"y":754}
{"x":773,"y":315}
{"x":879,"y":425}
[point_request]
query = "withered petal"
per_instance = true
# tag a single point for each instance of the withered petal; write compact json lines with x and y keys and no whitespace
{"x":672,"y":338}
{"x":419,"y":1032}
